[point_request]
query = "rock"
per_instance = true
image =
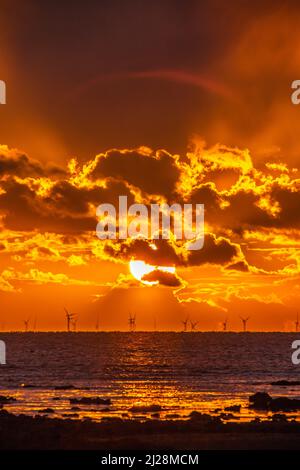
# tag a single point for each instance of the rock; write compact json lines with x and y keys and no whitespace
{"x":227,"y":416}
{"x":217,"y":410}
{"x":279,"y":417}
{"x":90,"y":401}
{"x":145,"y":409}
{"x":64,"y":387}
{"x":284,"y":404}
{"x":285,"y":383}
{"x":97,"y":410}
{"x":263,"y":401}
{"x":172,"y":416}
{"x":260,"y":401}
{"x":113,"y":419}
{"x":46,"y":410}
{"x":203,"y":417}
{"x":256,"y":420}
{"x":5,"y":414}
{"x":4,"y":399}
{"x":234,"y":408}
{"x":70,"y":415}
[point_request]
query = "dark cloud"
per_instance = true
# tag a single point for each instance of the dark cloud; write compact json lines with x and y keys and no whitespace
{"x":152,"y":172}
{"x":215,"y":251}
{"x":289,"y":202}
{"x":66,"y":205}
{"x":163,"y":278}
{"x":164,"y":255}
{"x":19,"y":164}
{"x":63,"y":209}
{"x":244,"y":209}
{"x":66,"y":197}
{"x":208,"y":195}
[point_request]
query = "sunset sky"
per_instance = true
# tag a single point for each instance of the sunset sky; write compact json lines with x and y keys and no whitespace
{"x":162,"y":101}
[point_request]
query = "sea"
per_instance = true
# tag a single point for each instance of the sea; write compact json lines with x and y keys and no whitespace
{"x":146,"y":375}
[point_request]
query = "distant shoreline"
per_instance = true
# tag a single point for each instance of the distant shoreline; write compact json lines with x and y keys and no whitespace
{"x":151,"y":331}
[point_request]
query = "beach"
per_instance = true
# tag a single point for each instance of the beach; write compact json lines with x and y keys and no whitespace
{"x":149,"y":390}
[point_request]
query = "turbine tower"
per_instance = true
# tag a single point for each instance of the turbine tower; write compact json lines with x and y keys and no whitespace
{"x":185,"y":323}
{"x":26,"y":323}
{"x":74,"y":322}
{"x":224,"y":324}
{"x":132,"y":322}
{"x":297,"y":323}
{"x":70,"y":319}
{"x":244,"y":320}
{"x":97,"y":322}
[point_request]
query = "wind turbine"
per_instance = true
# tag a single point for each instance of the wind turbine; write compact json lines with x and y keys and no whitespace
{"x":244,"y":320}
{"x":70,"y":319}
{"x":26,"y":323}
{"x":224,"y":324}
{"x":193,"y":325}
{"x":132,"y":322}
{"x":185,"y":323}
{"x":297,"y":323}
{"x":97,"y":322}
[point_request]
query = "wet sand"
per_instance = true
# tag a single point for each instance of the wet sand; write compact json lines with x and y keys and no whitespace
{"x":200,"y":432}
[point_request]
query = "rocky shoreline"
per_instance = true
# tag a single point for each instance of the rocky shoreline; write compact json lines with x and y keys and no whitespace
{"x":219,"y":430}
{"x":199,"y":431}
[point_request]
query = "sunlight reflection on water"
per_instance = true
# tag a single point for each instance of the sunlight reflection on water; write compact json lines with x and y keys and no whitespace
{"x":181,"y":372}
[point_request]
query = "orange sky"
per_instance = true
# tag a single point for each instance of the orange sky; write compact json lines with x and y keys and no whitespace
{"x":199,"y":114}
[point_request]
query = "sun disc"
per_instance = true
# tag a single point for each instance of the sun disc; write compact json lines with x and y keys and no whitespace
{"x":139,"y":269}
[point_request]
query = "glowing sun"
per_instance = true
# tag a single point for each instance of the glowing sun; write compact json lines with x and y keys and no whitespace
{"x":139,"y":269}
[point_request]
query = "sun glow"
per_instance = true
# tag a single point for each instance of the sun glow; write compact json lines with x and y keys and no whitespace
{"x":139,"y":269}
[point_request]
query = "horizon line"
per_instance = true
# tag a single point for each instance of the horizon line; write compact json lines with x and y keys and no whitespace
{"x":148,"y":331}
